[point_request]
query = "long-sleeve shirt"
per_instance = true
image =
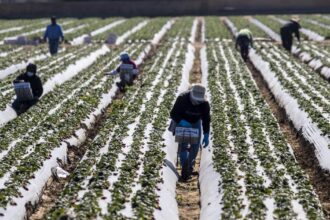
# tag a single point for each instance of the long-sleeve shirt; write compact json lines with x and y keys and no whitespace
{"x":292,"y":27}
{"x":53,"y":32}
{"x":35,"y":83}
{"x":135,"y":68}
{"x":243,"y":35}
{"x":184,"y":109}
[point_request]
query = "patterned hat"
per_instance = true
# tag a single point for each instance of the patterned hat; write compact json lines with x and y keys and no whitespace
{"x":198,"y":92}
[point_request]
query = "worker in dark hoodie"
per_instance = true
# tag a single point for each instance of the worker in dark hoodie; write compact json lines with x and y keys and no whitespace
{"x":30,"y":77}
{"x":192,"y":110}
{"x":287,"y":30}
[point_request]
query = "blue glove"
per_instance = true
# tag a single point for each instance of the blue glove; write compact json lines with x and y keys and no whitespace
{"x":184,"y":123}
{"x":205,"y":142}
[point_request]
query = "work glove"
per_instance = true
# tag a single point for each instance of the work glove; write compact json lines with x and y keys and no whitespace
{"x":184,"y":123}
{"x":205,"y":142}
{"x":114,"y":72}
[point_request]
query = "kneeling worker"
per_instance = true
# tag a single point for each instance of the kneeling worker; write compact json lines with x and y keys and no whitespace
{"x":128,"y":71}
{"x":191,"y":109}
{"x":244,"y":39}
{"x":30,"y":89}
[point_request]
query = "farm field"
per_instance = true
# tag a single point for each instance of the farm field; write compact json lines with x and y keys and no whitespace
{"x":269,"y":150}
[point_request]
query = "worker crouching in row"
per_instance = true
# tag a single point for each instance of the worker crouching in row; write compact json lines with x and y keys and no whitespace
{"x":244,"y":40}
{"x":127,"y":70}
{"x":192,"y":110}
{"x":30,"y":92}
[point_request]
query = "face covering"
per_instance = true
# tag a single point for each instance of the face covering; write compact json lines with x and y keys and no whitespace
{"x":30,"y":74}
{"x":194,"y":101}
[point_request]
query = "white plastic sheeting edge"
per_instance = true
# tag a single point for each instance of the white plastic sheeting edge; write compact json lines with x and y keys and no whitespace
{"x":19,"y":66}
{"x":107,"y":27}
{"x":11,"y":29}
{"x":318,"y":23}
{"x":122,"y":38}
{"x":209,"y":179}
{"x":231,"y":26}
{"x":36,"y":184}
{"x":80,"y":39}
{"x":73,"y":69}
{"x":157,"y":37}
{"x":34,"y":187}
{"x":266,"y":29}
{"x":299,"y":118}
{"x":193,"y":30}
{"x":314,"y":63}
{"x":310,"y":34}
{"x":74,"y":29}
{"x":167,"y":193}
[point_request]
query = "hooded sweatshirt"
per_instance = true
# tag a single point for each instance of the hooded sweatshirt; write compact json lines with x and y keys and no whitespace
{"x":35,"y":83}
{"x":184,"y":109}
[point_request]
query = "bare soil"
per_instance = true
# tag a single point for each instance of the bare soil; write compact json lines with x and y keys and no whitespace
{"x":188,"y":195}
{"x":196,"y":74}
{"x":54,"y":187}
{"x":188,"y":192}
{"x":303,"y":150}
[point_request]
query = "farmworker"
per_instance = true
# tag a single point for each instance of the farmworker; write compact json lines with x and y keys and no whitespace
{"x":244,"y":39}
{"x":36,"y":87}
{"x":53,"y":33}
{"x":191,"y":109}
{"x":128,"y":71}
{"x":292,"y":27}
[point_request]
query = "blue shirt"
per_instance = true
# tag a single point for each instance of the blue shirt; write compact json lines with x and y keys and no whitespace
{"x":53,"y":32}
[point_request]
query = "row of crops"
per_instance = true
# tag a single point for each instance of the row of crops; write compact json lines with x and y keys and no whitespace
{"x":249,"y":170}
{"x":259,"y":175}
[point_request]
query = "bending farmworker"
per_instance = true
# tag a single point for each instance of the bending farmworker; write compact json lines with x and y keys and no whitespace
{"x":28,"y":88}
{"x":290,"y":28}
{"x":191,"y":110}
{"x":244,"y":39}
{"x":128,"y":71}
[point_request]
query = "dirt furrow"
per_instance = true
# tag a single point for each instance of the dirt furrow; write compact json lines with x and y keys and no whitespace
{"x":188,"y":192}
{"x":54,"y":187}
{"x":303,"y":150}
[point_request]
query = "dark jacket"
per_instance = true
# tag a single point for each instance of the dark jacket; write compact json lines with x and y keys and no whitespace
{"x":127,"y":62}
{"x":290,"y":28}
{"x":35,"y":83}
{"x":244,"y":38}
{"x":53,"y":32}
{"x":184,"y":109}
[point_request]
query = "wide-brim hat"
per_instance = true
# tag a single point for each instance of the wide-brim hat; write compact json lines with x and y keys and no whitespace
{"x":198,"y":92}
{"x":295,"y":18}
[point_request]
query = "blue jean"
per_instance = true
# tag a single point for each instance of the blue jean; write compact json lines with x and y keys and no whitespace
{"x":22,"y":106}
{"x":190,"y":153}
{"x":53,"y":46}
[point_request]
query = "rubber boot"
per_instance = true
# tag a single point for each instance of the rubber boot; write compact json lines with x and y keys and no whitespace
{"x":186,"y":170}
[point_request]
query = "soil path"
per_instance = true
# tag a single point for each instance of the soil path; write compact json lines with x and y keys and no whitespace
{"x":188,"y":192}
{"x":303,"y":151}
{"x":53,"y":187}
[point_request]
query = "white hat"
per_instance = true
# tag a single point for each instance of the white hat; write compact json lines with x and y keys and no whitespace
{"x":295,"y":18}
{"x":197,"y":93}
